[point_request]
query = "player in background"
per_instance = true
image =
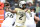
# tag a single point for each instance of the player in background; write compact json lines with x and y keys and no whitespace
{"x":20,"y":14}
{"x":9,"y":17}
{"x":30,"y":18}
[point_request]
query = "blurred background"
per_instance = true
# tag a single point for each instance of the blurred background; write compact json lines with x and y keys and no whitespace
{"x":15,"y":4}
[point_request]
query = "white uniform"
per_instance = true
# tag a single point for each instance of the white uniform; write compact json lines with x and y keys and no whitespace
{"x":30,"y":20}
{"x":10,"y":19}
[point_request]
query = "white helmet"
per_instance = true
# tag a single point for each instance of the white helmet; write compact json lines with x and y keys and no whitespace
{"x":21,"y":3}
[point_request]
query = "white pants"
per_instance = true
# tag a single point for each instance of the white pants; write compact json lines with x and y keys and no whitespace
{"x":29,"y":23}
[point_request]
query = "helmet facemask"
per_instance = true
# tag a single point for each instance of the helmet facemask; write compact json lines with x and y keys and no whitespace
{"x":22,"y":4}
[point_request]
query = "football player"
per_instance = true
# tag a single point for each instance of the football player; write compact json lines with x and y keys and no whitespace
{"x":20,"y":14}
{"x":30,"y":18}
{"x":9,"y":18}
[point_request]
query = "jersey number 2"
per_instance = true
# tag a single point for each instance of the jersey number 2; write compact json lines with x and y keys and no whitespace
{"x":20,"y":18}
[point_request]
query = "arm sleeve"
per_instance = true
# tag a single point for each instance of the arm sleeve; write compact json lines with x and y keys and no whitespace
{"x":27,"y":15}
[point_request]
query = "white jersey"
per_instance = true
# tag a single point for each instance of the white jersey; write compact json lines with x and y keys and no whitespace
{"x":30,"y":19}
{"x":10,"y":19}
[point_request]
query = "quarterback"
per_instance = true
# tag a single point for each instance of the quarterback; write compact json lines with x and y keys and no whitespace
{"x":20,"y":14}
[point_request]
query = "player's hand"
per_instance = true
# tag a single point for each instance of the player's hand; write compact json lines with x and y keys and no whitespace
{"x":26,"y":10}
{"x":10,"y":10}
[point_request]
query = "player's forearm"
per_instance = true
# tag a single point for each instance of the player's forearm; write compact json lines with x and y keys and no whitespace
{"x":26,"y":10}
{"x":27,"y":15}
{"x":36,"y":18}
{"x":13,"y":11}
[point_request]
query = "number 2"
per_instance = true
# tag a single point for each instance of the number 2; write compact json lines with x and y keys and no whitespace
{"x":21,"y":17}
